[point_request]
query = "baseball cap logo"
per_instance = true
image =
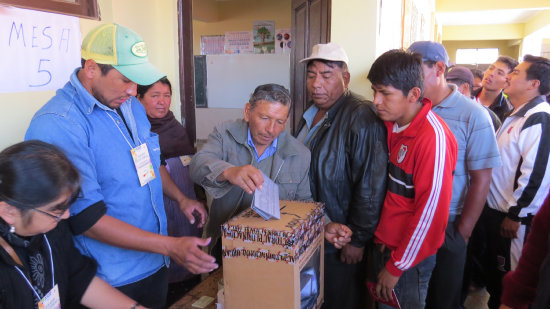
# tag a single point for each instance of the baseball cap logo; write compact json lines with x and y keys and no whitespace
{"x":139,"y":49}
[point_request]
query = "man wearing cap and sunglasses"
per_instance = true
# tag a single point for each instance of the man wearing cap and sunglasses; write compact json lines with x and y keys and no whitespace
{"x":477,"y":155}
{"x":349,"y":158}
{"x":119,"y":219}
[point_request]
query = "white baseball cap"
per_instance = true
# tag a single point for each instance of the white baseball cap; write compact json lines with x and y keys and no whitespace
{"x":329,"y":51}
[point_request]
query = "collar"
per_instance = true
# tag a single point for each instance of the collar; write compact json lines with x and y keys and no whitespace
{"x":238,"y":129}
{"x":89,"y":101}
{"x":498,"y":100}
{"x":527,"y":106}
{"x":450,"y":100}
{"x":309,"y":114}
{"x":268,"y":152}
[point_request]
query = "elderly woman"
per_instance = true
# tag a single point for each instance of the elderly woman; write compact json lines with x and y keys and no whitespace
{"x":176,"y":149}
{"x":39,"y":263}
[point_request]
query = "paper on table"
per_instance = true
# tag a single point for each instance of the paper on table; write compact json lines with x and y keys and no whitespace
{"x":266,"y":201}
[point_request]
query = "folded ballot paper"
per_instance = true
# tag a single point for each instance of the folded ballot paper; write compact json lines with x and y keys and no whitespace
{"x":266,"y":201}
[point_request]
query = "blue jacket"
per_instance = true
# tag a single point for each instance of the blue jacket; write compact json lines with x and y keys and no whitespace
{"x":98,"y":143}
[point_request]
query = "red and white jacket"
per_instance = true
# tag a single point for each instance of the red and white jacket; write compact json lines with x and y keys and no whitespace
{"x":420,"y":185}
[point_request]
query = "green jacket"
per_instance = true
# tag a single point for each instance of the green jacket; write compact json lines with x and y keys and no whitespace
{"x":227,"y":146}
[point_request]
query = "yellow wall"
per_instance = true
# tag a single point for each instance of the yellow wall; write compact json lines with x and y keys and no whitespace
{"x":154,"y":20}
{"x":355,"y":31}
{"x":538,"y":22}
{"x":484,"y":32}
{"x":240,"y":16}
{"x":503,"y":46}
{"x":477,"y":5}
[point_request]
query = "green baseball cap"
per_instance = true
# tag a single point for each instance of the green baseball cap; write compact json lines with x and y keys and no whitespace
{"x":122,"y":48}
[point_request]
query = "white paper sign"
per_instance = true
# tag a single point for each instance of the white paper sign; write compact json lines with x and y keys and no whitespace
{"x":39,"y":50}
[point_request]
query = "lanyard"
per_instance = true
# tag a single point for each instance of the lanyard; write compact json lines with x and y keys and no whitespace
{"x":51,"y":263}
{"x":119,"y":130}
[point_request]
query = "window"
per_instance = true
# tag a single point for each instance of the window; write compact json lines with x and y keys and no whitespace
{"x":476,"y":55}
{"x":80,"y":8}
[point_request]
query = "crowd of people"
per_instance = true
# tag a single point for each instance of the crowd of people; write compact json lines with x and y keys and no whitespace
{"x":435,"y":186}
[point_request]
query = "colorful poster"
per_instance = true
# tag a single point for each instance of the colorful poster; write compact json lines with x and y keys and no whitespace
{"x":40,"y":50}
{"x":264,"y":32}
{"x":283,"y":41}
{"x":238,"y":42}
{"x":212,"y":44}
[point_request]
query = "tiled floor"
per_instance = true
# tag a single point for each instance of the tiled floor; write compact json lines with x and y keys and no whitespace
{"x":477,"y":300}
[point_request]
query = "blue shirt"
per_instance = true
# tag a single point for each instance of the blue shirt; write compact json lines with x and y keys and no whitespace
{"x":307,"y":131}
{"x":475,"y":137}
{"x":98,"y":143}
{"x":269,"y":151}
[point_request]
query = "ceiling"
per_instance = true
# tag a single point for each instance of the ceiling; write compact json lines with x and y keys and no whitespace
{"x":511,"y":16}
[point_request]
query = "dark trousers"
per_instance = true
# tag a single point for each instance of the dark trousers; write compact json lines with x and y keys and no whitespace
{"x":412,"y":287}
{"x":345,"y":284}
{"x":446,"y":281}
{"x":496,"y":259}
{"x":149,"y":292}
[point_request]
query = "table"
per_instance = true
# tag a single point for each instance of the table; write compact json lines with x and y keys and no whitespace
{"x":207,"y":287}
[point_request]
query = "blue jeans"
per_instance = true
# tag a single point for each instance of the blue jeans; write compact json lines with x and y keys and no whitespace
{"x":412,"y":287}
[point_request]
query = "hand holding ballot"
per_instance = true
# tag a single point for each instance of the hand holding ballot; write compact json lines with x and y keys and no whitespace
{"x":337,"y":234}
{"x":247,"y":177}
{"x":266,"y":200}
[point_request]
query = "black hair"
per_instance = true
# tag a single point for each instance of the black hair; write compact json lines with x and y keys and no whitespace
{"x":142,"y":89}
{"x":34,"y":173}
{"x":271,"y":93}
{"x":477,"y":73}
{"x":105,"y":68}
{"x":400,"y":69}
{"x":510,"y":62}
{"x":341,"y":64}
{"x":540,"y":70}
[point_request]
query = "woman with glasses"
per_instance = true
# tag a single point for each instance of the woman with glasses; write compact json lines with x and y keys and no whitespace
{"x":39,"y":264}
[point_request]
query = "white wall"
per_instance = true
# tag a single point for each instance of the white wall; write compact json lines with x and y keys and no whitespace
{"x":154,"y":20}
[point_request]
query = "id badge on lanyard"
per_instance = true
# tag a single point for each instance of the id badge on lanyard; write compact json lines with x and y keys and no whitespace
{"x":51,"y":300}
{"x":143,"y":164}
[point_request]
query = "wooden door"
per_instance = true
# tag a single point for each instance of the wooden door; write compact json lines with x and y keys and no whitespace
{"x":310,"y":26}
{"x":186,"y":68}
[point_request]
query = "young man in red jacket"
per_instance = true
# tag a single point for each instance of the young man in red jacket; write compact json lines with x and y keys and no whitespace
{"x":423,"y":154}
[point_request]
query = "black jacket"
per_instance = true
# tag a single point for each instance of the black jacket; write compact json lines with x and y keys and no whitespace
{"x":349,"y":157}
{"x":73,"y":272}
{"x":501,"y":105}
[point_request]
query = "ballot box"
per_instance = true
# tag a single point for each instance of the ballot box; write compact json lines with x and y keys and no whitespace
{"x":274,"y":263}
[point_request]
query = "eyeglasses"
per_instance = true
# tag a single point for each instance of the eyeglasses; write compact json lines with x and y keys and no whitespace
{"x":56,"y":217}
{"x":64,"y":205}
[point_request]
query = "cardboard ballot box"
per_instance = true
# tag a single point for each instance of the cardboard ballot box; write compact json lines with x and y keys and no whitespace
{"x":276,"y":263}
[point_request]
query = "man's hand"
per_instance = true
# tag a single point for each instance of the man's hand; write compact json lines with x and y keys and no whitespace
{"x":351,"y":254}
{"x":247,"y":177}
{"x":189,"y":207}
{"x":386,"y":283}
{"x":338,"y":234}
{"x":509,"y":228}
{"x":185,"y":251}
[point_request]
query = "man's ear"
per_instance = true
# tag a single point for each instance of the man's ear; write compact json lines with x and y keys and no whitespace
{"x":414,"y":95}
{"x":246,"y":112}
{"x":347,"y":78}
{"x":90,"y":68}
{"x":440,"y":68}
{"x":8,"y":212}
{"x":534,"y":84}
